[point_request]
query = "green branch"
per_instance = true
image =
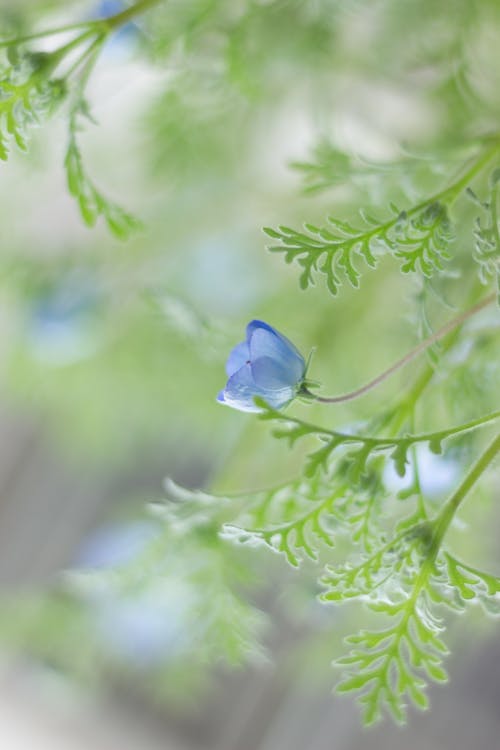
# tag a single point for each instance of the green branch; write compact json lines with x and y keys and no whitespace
{"x":418,"y":236}
{"x":98,"y":25}
{"x":120,"y":19}
{"x":447,"y":514}
{"x":377,"y":443}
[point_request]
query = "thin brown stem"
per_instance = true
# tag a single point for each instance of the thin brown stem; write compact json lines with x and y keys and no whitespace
{"x":441,"y":333}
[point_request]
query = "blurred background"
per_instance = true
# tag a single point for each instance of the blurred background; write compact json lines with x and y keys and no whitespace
{"x":214,"y":119}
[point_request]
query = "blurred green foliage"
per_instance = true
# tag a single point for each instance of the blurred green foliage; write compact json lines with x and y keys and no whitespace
{"x":230,"y":116}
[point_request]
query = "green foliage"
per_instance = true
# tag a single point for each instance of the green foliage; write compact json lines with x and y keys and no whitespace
{"x":330,"y":167}
{"x":91,"y":202}
{"x":393,"y":663}
{"x":420,"y":237}
{"x":404,"y":581}
{"x":355,"y":461}
{"x":402,"y":573}
{"x":207,"y":622}
{"x":295,"y":520}
{"x":458,"y":583}
{"x":368,"y":543}
{"x":28,"y":97}
{"x":487,"y":237}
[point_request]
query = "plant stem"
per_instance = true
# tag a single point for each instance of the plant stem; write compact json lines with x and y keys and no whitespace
{"x":451,"y":193}
{"x":90,"y":52}
{"x":446,"y":516}
{"x":383,"y":443}
{"x":60,"y":53}
{"x":94,"y":26}
{"x":477,"y":166}
{"x":114,"y":22}
{"x":447,"y":328}
{"x":48,"y":32}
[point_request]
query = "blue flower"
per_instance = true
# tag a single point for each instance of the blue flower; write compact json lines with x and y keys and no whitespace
{"x":266,"y":365}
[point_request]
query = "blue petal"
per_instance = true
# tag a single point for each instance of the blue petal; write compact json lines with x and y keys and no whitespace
{"x":238,"y":357}
{"x":240,"y":390}
{"x":265,"y":341}
{"x":271,"y":375}
{"x":279,"y":399}
{"x":274,"y":382}
{"x":267,"y":365}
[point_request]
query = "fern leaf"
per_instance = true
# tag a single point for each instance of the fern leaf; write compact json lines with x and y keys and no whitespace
{"x":381,"y":575}
{"x":91,"y":202}
{"x":422,"y":243}
{"x":303,"y":520}
{"x":486,"y":252}
{"x":460,"y":583}
{"x":389,"y":666}
{"x":26,"y":100}
{"x":418,"y":237}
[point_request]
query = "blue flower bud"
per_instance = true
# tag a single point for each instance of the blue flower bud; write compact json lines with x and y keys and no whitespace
{"x":266,"y":365}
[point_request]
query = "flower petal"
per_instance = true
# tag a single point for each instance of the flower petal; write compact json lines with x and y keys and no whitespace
{"x":266,"y":365}
{"x":238,"y":357}
{"x":240,"y":390}
{"x":271,"y":375}
{"x":274,"y":381}
{"x":265,"y":341}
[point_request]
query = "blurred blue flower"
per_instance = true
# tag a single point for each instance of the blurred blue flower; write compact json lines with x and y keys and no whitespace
{"x":62,"y":325}
{"x":266,"y":365}
{"x":125,"y":35}
{"x":149,"y":628}
{"x":115,"y":545}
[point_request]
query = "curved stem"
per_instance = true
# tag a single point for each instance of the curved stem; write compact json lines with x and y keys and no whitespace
{"x":447,"y":328}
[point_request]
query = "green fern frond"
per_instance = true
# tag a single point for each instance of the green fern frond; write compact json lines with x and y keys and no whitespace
{"x":357,"y":449}
{"x":331,"y":250}
{"x":389,"y":666}
{"x":486,"y":234}
{"x":307,"y":523}
{"x":418,"y":237}
{"x":408,"y":579}
{"x":91,"y":202}
{"x":329,"y":166}
{"x":302,"y":517}
{"x":27,"y":99}
{"x":378,"y":576}
{"x":422,"y":242}
{"x":295,"y":518}
{"x":457,"y":584}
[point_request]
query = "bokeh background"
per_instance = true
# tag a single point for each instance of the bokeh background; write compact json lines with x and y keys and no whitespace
{"x":212,"y":118}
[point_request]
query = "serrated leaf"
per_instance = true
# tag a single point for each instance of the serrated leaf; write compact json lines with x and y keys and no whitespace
{"x":91,"y":202}
{"x":400,"y":458}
